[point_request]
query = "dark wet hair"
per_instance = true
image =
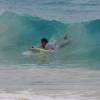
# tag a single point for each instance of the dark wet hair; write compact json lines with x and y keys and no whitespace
{"x":44,"y":40}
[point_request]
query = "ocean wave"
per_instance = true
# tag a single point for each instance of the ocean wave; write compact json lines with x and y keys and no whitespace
{"x":20,"y":32}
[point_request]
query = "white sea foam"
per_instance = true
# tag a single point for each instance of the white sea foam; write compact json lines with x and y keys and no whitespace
{"x":49,"y":84}
{"x":25,"y":95}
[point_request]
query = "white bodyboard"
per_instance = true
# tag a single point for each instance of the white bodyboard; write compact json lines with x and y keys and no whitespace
{"x":38,"y":50}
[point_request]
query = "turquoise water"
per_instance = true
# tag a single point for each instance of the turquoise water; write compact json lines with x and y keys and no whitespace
{"x":70,"y":73}
{"x":20,"y":32}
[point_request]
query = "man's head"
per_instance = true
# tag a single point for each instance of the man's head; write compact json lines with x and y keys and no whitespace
{"x":44,"y":41}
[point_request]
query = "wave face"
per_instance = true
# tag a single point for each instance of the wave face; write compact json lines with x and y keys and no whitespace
{"x":20,"y":32}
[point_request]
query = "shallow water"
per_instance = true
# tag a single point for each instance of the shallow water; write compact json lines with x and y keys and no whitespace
{"x":50,"y":83}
